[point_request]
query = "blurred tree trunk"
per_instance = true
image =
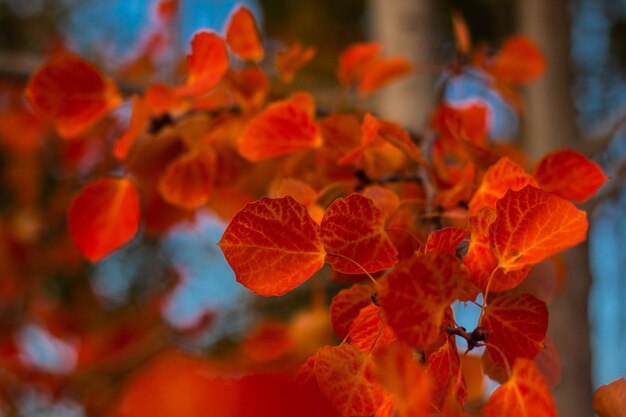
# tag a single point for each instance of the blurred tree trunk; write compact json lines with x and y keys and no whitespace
{"x":551,"y":124}
{"x":407,"y":27}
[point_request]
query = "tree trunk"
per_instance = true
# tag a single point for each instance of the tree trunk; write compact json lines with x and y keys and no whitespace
{"x":551,"y":124}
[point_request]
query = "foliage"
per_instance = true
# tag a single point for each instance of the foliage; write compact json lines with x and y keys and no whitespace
{"x":414,"y":223}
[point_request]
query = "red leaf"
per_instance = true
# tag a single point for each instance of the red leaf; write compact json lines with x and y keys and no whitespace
{"x":570,"y":175}
{"x":382,"y":72}
{"x":103,"y":216}
{"x":208,"y":62}
{"x":273,"y":245}
{"x":517,"y":327}
{"x":610,"y":400}
{"x":405,"y":379}
{"x":524,"y":395}
{"x":503,"y":176}
{"x":346,"y":306}
{"x":444,"y":366}
{"x":446,"y":240}
{"x":243,"y":37}
{"x":468,"y":123}
{"x":283,"y":127}
{"x":72,"y":93}
{"x":355,"y":60}
{"x":138,"y":122}
{"x":291,"y":60}
{"x":347,"y":379}
{"x":369,"y":329}
{"x":519,"y":61}
{"x":532,"y":225}
{"x":417,"y":293}
{"x":188,"y":180}
{"x":353,"y":229}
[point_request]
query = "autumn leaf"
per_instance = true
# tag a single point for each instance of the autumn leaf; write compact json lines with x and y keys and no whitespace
{"x":283,"y":127}
{"x":290,"y":61}
{"x":467,"y":123}
{"x":445,"y":240}
{"x":103,"y":216}
{"x":348,"y":380}
{"x":462,"y":37}
{"x":383,"y":197}
{"x":355,"y":60}
{"x":243,"y":37}
{"x":569,"y":175}
{"x":71,"y":93}
{"x":188,"y":180}
{"x":369,"y":330}
{"x":416,"y":294}
{"x":405,"y":379}
{"x":444,"y":367}
{"x":610,"y":399}
{"x":503,"y":176}
{"x":525,"y":394}
{"x":517,"y":327}
{"x":354,"y":236}
{"x":208,"y":62}
{"x":139,"y":120}
{"x":346,"y":305}
{"x":273,"y":245}
{"x":520,"y":60}
{"x":382,"y":72}
{"x":532,"y":225}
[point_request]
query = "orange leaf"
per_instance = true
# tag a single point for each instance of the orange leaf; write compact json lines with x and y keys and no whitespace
{"x":369,"y":130}
{"x":548,"y":361}
{"x":208,"y":62}
{"x":444,"y":366}
{"x":610,"y":400}
{"x":532,"y":225}
{"x":382,"y":72}
{"x":243,"y":37}
{"x":138,"y":122}
{"x":462,"y":37}
{"x":570,"y":175}
{"x":346,"y":306}
{"x":354,"y":236}
{"x":416,"y":294}
{"x":347,"y":379}
{"x":384,"y":198}
{"x":267,"y":341}
{"x":405,"y":379}
{"x":188,"y":180}
{"x":273,"y":245}
{"x":517,"y":327}
{"x":519,"y":61}
{"x":369,"y":329}
{"x":103,"y":216}
{"x":72,"y":93}
{"x":355,"y":60}
{"x":300,"y":191}
{"x":468,"y":123}
{"x":524,"y":395}
{"x":291,"y":60}
{"x":394,"y":134}
{"x":446,"y":240}
{"x":250,"y":87}
{"x":283,"y":127}
{"x":503,"y":176}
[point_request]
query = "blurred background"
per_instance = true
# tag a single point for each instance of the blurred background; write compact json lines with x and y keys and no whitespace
{"x":579,"y":103}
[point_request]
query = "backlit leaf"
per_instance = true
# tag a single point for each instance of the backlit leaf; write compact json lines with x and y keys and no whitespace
{"x":532,"y":225}
{"x":354,"y":236}
{"x":368,"y":330}
{"x":346,"y":306}
{"x":610,"y":400}
{"x":273,"y":245}
{"x":519,"y":61}
{"x":445,"y":240}
{"x":468,"y":123}
{"x":517,"y":327}
{"x":208,"y":62}
{"x":503,"y":176}
{"x":243,"y":37}
{"x":384,"y":198}
{"x":416,"y":294}
{"x":283,"y":127}
{"x":524,"y":395}
{"x":348,"y":380}
{"x":570,"y":175}
{"x":103,"y":216}
{"x":405,"y":379}
{"x":72,"y":93}
{"x":138,"y":122}
{"x":290,"y":61}
{"x":382,"y":72}
{"x":355,"y":60}
{"x":188,"y":180}
{"x":444,"y":366}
